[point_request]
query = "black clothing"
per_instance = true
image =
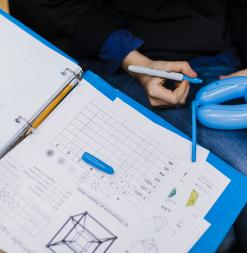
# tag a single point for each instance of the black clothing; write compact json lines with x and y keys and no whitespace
{"x":171,"y":29}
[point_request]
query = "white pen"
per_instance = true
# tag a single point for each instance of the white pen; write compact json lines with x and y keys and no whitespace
{"x":162,"y":73}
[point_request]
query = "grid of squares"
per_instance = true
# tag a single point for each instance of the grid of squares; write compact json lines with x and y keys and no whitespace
{"x":140,"y":161}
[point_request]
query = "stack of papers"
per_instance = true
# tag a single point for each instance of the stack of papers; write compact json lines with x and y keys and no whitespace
{"x":51,"y":201}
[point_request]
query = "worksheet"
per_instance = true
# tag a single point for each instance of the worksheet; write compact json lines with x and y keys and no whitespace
{"x":180,"y":217}
{"x":43,"y":210}
{"x":142,"y":161}
{"x":92,"y":116}
{"x":130,"y":114}
{"x":153,"y":199}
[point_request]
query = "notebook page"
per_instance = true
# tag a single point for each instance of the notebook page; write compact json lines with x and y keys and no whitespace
{"x":42,"y":210}
{"x":143,"y":160}
{"x":30,"y":72}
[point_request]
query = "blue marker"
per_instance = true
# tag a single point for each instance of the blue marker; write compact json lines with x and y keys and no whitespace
{"x":97,"y":163}
{"x":194,"y":80}
{"x":164,"y":74}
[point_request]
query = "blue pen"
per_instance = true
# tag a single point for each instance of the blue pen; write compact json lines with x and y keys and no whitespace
{"x":97,"y":163}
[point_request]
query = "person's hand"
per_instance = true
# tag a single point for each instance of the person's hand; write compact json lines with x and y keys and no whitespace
{"x":239,"y":73}
{"x":158,"y":94}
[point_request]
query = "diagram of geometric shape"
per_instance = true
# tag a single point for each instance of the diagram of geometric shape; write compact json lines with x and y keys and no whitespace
{"x":159,"y":223}
{"x":172,"y":193}
{"x":192,"y":198}
{"x":149,"y":246}
{"x":82,"y":233}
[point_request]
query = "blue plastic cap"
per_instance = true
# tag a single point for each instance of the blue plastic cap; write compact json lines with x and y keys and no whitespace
{"x":194,"y":80}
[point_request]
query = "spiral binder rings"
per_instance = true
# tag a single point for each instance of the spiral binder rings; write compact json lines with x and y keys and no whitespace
{"x":29,"y":126}
{"x":77,"y":77}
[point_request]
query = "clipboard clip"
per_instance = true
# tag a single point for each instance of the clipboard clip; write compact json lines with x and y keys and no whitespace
{"x":77,"y":77}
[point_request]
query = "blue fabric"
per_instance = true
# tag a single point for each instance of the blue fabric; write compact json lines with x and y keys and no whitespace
{"x":118,"y":45}
{"x":228,"y":145}
{"x":228,"y":59}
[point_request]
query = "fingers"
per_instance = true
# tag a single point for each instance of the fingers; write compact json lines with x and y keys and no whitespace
{"x":160,"y":96}
{"x":183,"y":99}
{"x":239,"y":73}
{"x":180,"y":66}
{"x":227,"y":76}
{"x":154,"y":102}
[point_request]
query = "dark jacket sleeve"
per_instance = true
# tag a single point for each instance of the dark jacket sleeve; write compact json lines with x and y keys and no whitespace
{"x":237,"y":17}
{"x":88,"y":22}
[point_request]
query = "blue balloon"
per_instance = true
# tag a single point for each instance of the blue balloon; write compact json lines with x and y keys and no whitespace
{"x":212,"y":114}
{"x":226,"y":117}
{"x":210,"y":111}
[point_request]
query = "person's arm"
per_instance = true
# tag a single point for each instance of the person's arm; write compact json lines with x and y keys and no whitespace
{"x":93,"y":29}
{"x":88,"y":24}
{"x":116,"y":47}
{"x":236,"y":16}
{"x":120,"y":49}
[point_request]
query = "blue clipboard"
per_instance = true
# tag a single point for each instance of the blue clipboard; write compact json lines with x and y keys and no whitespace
{"x":223,"y":214}
{"x":228,"y":206}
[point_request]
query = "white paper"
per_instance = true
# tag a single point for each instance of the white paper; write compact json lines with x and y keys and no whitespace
{"x":158,"y":131}
{"x":181,"y":240}
{"x":30,"y":72}
{"x":38,"y":202}
{"x":141,"y":162}
{"x":194,"y":234}
{"x":135,"y":209}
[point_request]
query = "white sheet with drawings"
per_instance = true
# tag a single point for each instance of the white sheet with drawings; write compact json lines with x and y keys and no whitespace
{"x":180,"y":216}
{"x":92,"y":124}
{"x":42,"y":210}
{"x":143,"y":160}
{"x":129,"y":208}
{"x":148,"y":159}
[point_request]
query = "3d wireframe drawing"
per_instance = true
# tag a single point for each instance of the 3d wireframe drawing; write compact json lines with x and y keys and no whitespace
{"x":82,"y":233}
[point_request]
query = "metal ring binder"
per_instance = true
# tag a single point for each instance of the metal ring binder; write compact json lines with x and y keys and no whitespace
{"x":20,"y":118}
{"x":76,"y":76}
